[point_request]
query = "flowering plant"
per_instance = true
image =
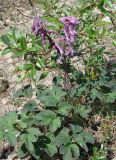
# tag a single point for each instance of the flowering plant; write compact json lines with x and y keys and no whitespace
{"x":66,"y":49}
{"x":57,"y":126}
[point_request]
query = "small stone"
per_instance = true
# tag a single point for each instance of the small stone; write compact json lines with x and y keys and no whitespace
{"x":17,"y":65}
{"x":4,"y":85}
{"x":7,"y":22}
{"x":14,"y":78}
{"x":10,"y":61}
{"x":106,"y":19}
{"x":28,"y":12}
{"x":11,"y":68}
{"x":4,"y":101}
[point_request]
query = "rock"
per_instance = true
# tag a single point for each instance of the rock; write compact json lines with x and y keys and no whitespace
{"x":4,"y":101}
{"x":14,"y":78}
{"x":4,"y":85}
{"x":7,"y":22}
{"x":10,"y":61}
{"x":11,"y":69}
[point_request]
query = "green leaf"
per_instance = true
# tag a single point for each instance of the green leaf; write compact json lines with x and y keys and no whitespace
{"x":53,"y":19}
{"x":40,"y":62}
{"x":23,"y":43}
{"x":88,"y":137}
{"x":55,"y":124}
{"x":66,"y":151}
{"x":96,"y":94}
{"x":23,"y":125}
{"x":83,"y":111}
{"x":31,"y":137}
{"x":75,"y":150}
{"x":5,"y":51}
{"x":22,"y":151}
{"x":111,"y":97}
{"x":80,"y":140}
{"x":66,"y":11}
{"x":21,"y":78}
{"x":64,"y":108}
{"x":29,"y":145}
{"x":23,"y":138}
{"x":48,"y":117}
{"x":51,"y":150}
{"x":12,"y":116}
{"x":26,"y":91}
{"x":33,"y":74}
{"x":51,"y":96}
{"x":63,"y":137}
{"x":3,"y":122}
{"x":30,"y":120}
{"x":1,"y":135}
{"x":28,"y":139}
{"x":76,"y":128}
{"x":34,"y":131}
{"x":27,"y":66}
{"x":10,"y":136}
{"x":29,"y":106}
{"x":43,"y":75}
{"x":102,"y":8}
{"x":5,"y":40}
{"x":57,"y":93}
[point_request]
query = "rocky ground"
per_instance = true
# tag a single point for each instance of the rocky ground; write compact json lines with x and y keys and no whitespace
{"x":12,"y":13}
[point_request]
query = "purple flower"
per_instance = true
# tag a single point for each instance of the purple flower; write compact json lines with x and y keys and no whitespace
{"x":38,"y":28}
{"x":70,"y":51}
{"x":63,"y":44}
{"x":60,"y":59}
{"x":70,"y":24}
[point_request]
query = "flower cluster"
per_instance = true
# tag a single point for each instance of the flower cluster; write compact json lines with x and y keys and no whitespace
{"x":38,"y":28}
{"x":63,"y":44}
{"x":70,"y":24}
{"x":69,"y":30}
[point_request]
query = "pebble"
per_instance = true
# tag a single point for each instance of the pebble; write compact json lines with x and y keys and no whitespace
{"x":4,"y":101}
{"x":14,"y":78}
{"x":10,"y":61}
{"x":7,"y":22}
{"x":11,"y":69}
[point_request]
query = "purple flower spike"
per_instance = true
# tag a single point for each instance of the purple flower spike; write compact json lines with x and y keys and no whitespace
{"x":38,"y":28}
{"x":64,"y":45}
{"x":59,"y":48}
{"x":70,"y":51}
{"x":60,"y":59}
{"x":70,"y":24}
